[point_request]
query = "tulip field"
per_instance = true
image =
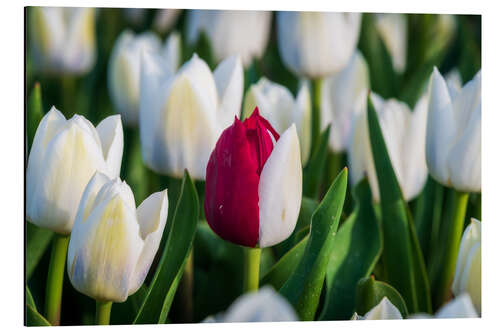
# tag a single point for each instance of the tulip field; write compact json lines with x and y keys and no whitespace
{"x":204,"y":166}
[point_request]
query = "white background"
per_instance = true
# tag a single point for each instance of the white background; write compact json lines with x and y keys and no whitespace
{"x":12,"y":164}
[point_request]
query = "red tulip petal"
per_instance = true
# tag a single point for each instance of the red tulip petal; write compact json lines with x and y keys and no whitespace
{"x":231,"y":187}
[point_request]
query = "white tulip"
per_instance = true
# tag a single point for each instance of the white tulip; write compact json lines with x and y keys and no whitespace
{"x":124,"y":72}
{"x":63,"y":39}
{"x":231,"y":32}
{"x":382,"y":311}
{"x":64,"y":156}
{"x":165,"y":19}
{"x":343,"y":97}
{"x":317,"y":44}
{"x":113,"y":244}
{"x":393,"y":31}
{"x":182,"y":114}
{"x":459,"y":307}
{"x":468,"y":270}
{"x":453,"y":143}
{"x":281,"y":109}
{"x":265,"y":305}
{"x":404,"y":136}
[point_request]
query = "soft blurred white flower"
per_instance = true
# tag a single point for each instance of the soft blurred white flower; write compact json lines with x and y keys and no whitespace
{"x":343,"y":97}
{"x":183,"y":113}
{"x":459,"y":307}
{"x":265,"y":305}
{"x":63,"y":39}
{"x":113,"y":244}
{"x":124,"y":72}
{"x":277,"y":105}
{"x":453,"y":143}
{"x":231,"y":32}
{"x":393,"y":31}
{"x":317,"y":44}
{"x":64,"y":156}
{"x":165,"y":19}
{"x":454,"y":81}
{"x":382,"y":311}
{"x":404,"y":136}
{"x":468,"y":270}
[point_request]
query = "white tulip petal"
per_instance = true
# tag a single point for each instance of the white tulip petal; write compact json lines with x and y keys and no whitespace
{"x":282,"y":173}
{"x":317,"y":44}
{"x":111,"y":134}
{"x":49,"y":126}
{"x":301,"y":116}
{"x":172,"y":52}
{"x":263,"y":306}
{"x":110,"y":246}
{"x":358,"y":151}
{"x":229,"y":81}
{"x":383,"y":311}
{"x":79,"y":49}
{"x":70,"y":161}
{"x":343,"y":96}
{"x":441,"y":128}
{"x":152,"y":217}
{"x":459,"y":307}
{"x":393,"y":30}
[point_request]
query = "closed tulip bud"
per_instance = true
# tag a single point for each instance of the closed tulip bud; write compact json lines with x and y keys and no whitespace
{"x":453,"y":143}
{"x":124,"y":71}
{"x":468,"y":270}
{"x":392,"y":28}
{"x":281,"y":109}
{"x":343,"y":97}
{"x":404,"y":136}
{"x":254,"y":183}
{"x":316,"y":44}
{"x":64,"y":156}
{"x":231,"y":32}
{"x":382,"y":311}
{"x":113,"y":244}
{"x":183,"y":113}
{"x":63,"y":39}
{"x":264,"y":305}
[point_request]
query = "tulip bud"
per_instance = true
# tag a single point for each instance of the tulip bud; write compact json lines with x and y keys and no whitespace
{"x":393,"y":31}
{"x":382,"y":311}
{"x":317,"y":44}
{"x":459,"y":307}
{"x":182,"y":114}
{"x":265,"y":305}
{"x":404,"y":136}
{"x":254,"y":183}
{"x":113,"y":244}
{"x":277,"y":105}
{"x":231,"y":32}
{"x":468,"y":270}
{"x":453,"y":142}
{"x":124,"y":71}
{"x":64,"y":156}
{"x":343,"y":97}
{"x":63,"y":39}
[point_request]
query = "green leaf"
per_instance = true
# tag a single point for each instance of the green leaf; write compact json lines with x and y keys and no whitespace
{"x":177,"y":248}
{"x":29,"y":299}
{"x":204,"y":49}
{"x":37,"y":242}
{"x":281,"y":271}
{"x":357,"y":248}
{"x":314,"y":168}
{"x":369,"y":293}
{"x":33,"y":318}
{"x":35,"y":112}
{"x":383,"y":78}
{"x":402,"y":257}
{"x":303,"y":287}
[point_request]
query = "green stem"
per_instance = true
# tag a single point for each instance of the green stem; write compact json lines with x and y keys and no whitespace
{"x":316,"y":113}
{"x":456,"y":207}
{"x":68,"y":95}
{"x":252,"y":266}
{"x":102,"y":312}
{"x":55,"y":278}
{"x":186,"y":290}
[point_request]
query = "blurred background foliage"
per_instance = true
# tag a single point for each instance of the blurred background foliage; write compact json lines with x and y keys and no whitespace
{"x":218,"y":276}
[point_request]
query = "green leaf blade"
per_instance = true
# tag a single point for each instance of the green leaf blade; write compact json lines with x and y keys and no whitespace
{"x":369,"y":293}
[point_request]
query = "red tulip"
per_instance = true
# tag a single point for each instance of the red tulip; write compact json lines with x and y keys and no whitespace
{"x":254,"y":183}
